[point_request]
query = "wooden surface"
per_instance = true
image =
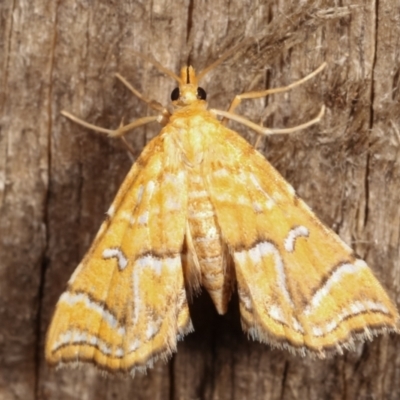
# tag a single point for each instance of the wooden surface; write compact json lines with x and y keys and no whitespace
{"x":58,"y":179}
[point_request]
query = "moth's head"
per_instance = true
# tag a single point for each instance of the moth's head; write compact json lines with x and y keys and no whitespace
{"x":188,"y":91}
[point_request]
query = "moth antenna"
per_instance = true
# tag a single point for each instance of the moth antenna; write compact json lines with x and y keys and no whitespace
{"x":158,"y":66}
{"x":224,"y":56}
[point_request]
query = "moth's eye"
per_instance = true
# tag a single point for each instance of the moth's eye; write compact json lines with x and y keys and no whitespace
{"x":175,"y":94}
{"x":201,"y":93}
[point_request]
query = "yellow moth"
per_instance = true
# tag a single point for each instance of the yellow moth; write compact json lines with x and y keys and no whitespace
{"x":202,"y":208}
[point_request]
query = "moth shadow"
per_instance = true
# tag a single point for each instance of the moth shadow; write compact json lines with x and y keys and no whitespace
{"x":212,"y":331}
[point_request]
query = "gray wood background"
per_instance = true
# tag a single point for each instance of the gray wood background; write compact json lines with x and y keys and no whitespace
{"x":57,"y":179}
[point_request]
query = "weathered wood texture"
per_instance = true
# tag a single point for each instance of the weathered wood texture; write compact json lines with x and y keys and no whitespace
{"x":57,"y":179}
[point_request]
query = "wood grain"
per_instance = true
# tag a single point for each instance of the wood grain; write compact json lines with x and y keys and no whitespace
{"x":58,"y":179}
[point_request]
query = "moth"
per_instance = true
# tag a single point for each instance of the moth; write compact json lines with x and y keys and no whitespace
{"x":202,"y":208}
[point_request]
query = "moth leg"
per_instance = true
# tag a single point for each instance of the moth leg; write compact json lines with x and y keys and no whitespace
{"x":110,"y":132}
{"x":268,"y":131}
{"x":117,"y":132}
{"x":162,"y":118}
{"x":256,"y":95}
{"x":155,"y":105}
